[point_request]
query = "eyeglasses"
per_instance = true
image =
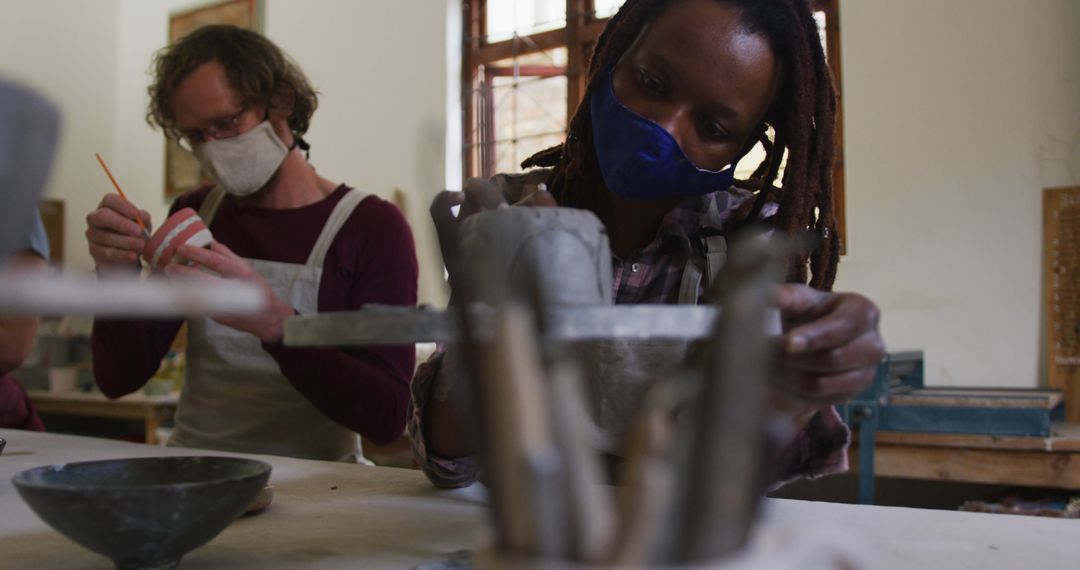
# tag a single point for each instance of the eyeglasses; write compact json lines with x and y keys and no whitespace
{"x":221,"y":129}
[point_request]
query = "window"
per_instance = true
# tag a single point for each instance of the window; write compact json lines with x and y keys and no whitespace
{"x":524,"y":73}
{"x":522,"y":107}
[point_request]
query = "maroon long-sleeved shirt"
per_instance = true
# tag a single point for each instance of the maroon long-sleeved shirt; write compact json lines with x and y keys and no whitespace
{"x":16,"y":409}
{"x":372,"y":260}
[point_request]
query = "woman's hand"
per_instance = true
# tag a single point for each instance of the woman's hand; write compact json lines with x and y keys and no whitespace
{"x":830,"y":348}
{"x":478,"y":195}
{"x":220,"y":260}
{"x":115,"y":239}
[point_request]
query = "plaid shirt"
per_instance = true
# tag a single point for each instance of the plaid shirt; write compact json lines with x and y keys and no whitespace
{"x":651,"y":275}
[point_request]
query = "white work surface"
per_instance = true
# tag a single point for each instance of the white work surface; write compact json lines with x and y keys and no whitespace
{"x":392,"y":518}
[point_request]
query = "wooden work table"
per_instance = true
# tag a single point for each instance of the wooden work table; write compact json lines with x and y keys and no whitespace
{"x":150,"y":410}
{"x":336,"y":515}
{"x":1052,"y":462}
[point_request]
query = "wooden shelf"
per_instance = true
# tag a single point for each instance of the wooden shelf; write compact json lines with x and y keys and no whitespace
{"x":138,"y":406}
{"x":1002,"y":460}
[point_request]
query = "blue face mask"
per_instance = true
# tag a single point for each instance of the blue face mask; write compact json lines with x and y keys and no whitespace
{"x":638,"y":158}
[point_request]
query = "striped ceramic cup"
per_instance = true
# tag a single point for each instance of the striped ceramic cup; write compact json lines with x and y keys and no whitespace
{"x":185,"y":227}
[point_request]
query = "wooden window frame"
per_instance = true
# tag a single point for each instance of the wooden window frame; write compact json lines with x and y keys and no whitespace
{"x":578,"y":37}
{"x":831,"y":8}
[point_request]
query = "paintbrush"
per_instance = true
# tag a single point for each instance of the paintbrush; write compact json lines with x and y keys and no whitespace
{"x":138,"y":219}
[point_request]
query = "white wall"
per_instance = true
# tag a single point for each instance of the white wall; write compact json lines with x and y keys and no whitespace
{"x":957,"y":114}
{"x":138,"y":159}
{"x":381,"y":69}
{"x":67,"y":51}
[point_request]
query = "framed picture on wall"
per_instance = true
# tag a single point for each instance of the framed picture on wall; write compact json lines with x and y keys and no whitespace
{"x":52,"y":217}
{"x":182,"y":171}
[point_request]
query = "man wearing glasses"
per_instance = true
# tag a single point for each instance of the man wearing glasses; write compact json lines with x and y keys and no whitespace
{"x":242,"y":106}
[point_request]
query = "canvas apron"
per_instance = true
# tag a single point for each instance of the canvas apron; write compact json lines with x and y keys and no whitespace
{"x":620,"y":373}
{"x":235,"y":397}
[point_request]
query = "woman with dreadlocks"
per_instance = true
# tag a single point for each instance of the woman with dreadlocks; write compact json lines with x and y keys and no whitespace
{"x":688,"y":87}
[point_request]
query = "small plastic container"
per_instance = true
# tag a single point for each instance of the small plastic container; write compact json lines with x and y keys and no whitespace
{"x":63,"y":379}
{"x":185,"y":227}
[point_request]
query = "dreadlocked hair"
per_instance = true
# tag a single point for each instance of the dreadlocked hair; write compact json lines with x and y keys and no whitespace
{"x":803,"y":121}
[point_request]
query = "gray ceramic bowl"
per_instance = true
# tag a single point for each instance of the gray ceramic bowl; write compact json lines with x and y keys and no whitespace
{"x":144,"y":512}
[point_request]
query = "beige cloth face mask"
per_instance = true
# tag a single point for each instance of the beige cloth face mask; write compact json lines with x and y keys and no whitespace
{"x":244,"y":163}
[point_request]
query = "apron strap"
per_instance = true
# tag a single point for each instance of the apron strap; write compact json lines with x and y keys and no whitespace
{"x":210,"y":205}
{"x":715,"y":258}
{"x":691,"y":280}
{"x":338,"y":217}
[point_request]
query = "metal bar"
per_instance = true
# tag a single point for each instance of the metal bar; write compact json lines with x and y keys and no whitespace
{"x":487,"y":131}
{"x":867,"y":414}
{"x":868,"y":422}
{"x":384,"y":325}
{"x":123,"y":296}
{"x":473,"y":23}
{"x":575,"y":20}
